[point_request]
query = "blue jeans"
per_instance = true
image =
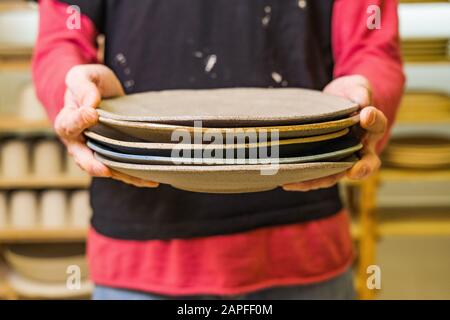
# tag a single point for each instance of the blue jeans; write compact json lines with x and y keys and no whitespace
{"x":339,"y":288}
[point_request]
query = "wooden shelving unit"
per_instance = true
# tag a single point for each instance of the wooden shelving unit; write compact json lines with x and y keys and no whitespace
{"x":375,"y":222}
{"x":44,"y":183}
{"x":19,"y":60}
{"x":14,"y":124}
{"x":9,"y":236}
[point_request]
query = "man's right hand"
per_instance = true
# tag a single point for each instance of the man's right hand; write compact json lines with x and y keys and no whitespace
{"x":86,"y":86}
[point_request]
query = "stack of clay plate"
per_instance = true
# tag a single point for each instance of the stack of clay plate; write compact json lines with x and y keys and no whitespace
{"x":23,"y":18}
{"x":227,"y":140}
{"x":48,"y":271}
{"x":416,"y":106}
{"x":418,"y":152}
{"x":424,"y":50}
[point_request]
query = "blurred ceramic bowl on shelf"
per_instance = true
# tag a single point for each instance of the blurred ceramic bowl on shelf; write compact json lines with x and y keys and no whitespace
{"x":41,"y":290}
{"x":418,"y":151}
{"x":72,"y":169}
{"x":29,"y":106}
{"x":18,"y":29}
{"x":3,"y":211}
{"x":80,"y":211}
{"x":47,"y":263}
{"x":47,"y":159}
{"x":424,"y":20}
{"x":23,"y":209}
{"x":15,"y":159}
{"x":53,"y":209}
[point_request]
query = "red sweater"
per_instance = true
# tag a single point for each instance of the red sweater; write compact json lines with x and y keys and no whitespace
{"x":244,"y":262}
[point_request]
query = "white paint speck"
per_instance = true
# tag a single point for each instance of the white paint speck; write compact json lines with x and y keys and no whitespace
{"x":127,"y":71}
{"x":277,"y":77}
{"x":120,"y":57}
{"x":198,"y":54}
{"x":266,"y":19}
{"x":210,"y":62}
{"x":129,"y":83}
{"x":302,"y":4}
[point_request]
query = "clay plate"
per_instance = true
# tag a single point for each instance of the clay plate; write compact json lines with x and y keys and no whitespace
{"x":163,"y":133}
{"x":228,"y":107}
{"x":230,"y":179}
{"x":142,"y":159}
{"x":119,"y":142}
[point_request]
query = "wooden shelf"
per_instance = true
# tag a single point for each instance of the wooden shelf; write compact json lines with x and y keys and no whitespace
{"x":14,"y":64}
{"x":355,"y":230}
{"x":12,"y":124}
{"x":413,"y":222}
{"x":414,"y":228}
{"x":43,"y":183}
{"x":393,"y":174}
{"x":42,"y":235}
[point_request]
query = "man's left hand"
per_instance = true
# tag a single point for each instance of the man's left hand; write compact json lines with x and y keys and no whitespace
{"x":357,"y":89}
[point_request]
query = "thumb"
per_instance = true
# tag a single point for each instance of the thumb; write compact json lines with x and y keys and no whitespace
{"x":89,"y":95}
{"x":85,"y":91}
{"x":360,"y":95}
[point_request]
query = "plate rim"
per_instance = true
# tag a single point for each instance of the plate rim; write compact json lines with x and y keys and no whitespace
{"x":224,"y":168}
{"x":304,"y":159}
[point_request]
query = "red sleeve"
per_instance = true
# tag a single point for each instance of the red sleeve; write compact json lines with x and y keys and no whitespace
{"x":374,"y":54}
{"x":57,"y":50}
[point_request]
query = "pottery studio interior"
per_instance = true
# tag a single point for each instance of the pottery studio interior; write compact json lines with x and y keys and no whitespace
{"x":400,"y":214}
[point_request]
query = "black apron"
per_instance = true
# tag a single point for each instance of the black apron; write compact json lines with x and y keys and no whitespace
{"x":169,"y":44}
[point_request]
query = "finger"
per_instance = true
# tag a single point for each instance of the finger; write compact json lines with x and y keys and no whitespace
{"x":89,"y":83}
{"x":360,"y":95}
{"x":82,"y":84}
{"x":133,"y":180}
{"x":321,"y":183}
{"x":368,"y":165}
{"x":373,"y":120}
{"x":70,"y":101}
{"x":71,"y":122}
{"x":84,"y":157}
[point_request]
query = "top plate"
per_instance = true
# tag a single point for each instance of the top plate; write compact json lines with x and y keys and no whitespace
{"x":228,"y":107}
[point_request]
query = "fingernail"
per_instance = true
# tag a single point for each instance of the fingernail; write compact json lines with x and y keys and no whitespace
{"x":363,"y":172}
{"x":90,"y":114}
{"x":371,"y":117}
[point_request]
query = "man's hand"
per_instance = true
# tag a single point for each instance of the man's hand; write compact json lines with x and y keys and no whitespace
{"x":357,"y":89}
{"x":86,"y":86}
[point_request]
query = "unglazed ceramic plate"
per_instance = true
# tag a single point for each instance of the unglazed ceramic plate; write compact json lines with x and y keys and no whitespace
{"x":421,"y":143}
{"x":426,"y":152}
{"x":155,"y":160}
{"x":120,"y":142}
{"x":28,"y":288}
{"x":231,"y":178}
{"x":155,"y":132}
{"x":47,"y":263}
{"x":228,"y":107}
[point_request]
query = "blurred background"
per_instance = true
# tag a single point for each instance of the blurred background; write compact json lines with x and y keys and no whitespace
{"x":401,"y":217}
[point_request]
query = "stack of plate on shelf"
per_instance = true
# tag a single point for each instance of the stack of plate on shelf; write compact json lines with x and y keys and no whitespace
{"x":227,"y":140}
{"x":425,"y":50}
{"x":48,"y":271}
{"x":416,"y":106}
{"x":23,"y":18}
{"x":418,"y":152}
